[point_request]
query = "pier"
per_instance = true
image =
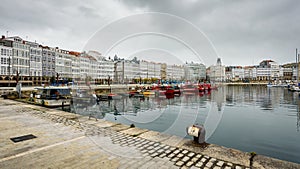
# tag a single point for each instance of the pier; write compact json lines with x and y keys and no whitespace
{"x":66,"y":140}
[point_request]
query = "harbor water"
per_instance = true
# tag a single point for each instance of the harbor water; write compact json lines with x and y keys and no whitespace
{"x":248,"y":118}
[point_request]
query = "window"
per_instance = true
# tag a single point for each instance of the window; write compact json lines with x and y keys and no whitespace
{"x":3,"y":70}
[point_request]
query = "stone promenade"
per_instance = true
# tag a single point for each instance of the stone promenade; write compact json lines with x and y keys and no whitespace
{"x":65,"y":140}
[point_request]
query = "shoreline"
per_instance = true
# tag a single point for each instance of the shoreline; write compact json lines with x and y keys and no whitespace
{"x":215,"y":153}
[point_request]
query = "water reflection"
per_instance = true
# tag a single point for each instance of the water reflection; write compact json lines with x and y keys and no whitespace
{"x":267,"y":99}
{"x":229,"y":115}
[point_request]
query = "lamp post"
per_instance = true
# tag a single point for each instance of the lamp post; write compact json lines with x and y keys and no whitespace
{"x":9,"y":72}
{"x":109,"y":83}
{"x":57,"y":76}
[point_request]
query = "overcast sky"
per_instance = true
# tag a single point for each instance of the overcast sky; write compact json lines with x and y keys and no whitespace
{"x":240,"y":32}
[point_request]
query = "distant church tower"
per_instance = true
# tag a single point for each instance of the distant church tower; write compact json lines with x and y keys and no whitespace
{"x":219,"y":63}
{"x":217,"y":72}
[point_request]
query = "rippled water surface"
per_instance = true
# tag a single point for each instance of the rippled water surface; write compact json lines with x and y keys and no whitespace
{"x":260,"y":119}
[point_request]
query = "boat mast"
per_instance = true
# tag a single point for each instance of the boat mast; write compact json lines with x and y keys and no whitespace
{"x":297,"y":67}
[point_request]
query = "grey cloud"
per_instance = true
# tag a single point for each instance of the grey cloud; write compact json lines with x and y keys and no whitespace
{"x":243,"y":32}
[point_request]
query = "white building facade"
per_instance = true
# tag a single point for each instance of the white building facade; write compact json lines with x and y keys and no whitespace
{"x":217,"y":72}
{"x":35,"y":59}
{"x":175,"y":72}
{"x":195,"y":71}
{"x":6,"y":58}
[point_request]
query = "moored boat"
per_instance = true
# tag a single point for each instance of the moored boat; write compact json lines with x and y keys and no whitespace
{"x":53,"y":96}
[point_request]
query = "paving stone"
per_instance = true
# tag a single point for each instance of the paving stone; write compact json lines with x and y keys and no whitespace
{"x":156,"y":144}
{"x":185,"y":159}
{"x":220,"y":163}
{"x":172,"y":148}
{"x":160,"y":150}
{"x":203,"y":159}
{"x":185,"y":151}
{"x":199,"y":164}
{"x":190,"y":163}
{"x":180,"y":155}
{"x":217,"y":167}
{"x":166,"y":147}
{"x":198,"y":155}
{"x":156,"y":148}
{"x":238,"y":167}
{"x":150,"y":147}
{"x":171,"y":155}
{"x":194,"y":167}
{"x":229,"y":164}
{"x":154,"y":154}
{"x":175,"y":159}
{"x":162,"y":155}
{"x":212,"y":160}
{"x":179,"y":163}
{"x":191,"y":154}
{"x":227,"y":167}
{"x":195,"y":159}
{"x":209,"y":164}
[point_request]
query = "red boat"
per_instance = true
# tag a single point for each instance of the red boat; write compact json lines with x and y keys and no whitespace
{"x":201,"y":88}
{"x":190,"y":89}
{"x":207,"y":86}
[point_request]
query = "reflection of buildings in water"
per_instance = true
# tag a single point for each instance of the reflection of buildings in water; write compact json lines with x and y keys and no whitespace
{"x":91,"y":110}
{"x":219,"y":96}
{"x":298,"y":115}
{"x":266,"y":98}
{"x":298,"y":119}
{"x":266,"y":102}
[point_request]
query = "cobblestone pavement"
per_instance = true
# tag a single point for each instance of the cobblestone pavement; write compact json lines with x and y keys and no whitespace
{"x":71,"y":141}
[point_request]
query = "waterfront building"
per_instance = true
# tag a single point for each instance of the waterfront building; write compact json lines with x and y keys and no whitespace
{"x":48,"y":61}
{"x":250,"y":73}
{"x":288,"y":71}
{"x":127,"y":70}
{"x":163,"y":71}
{"x":150,"y":70}
{"x":63,"y":65}
{"x":20,"y":54}
{"x":35,"y":59}
{"x":105,"y":69}
{"x":85,"y":66}
{"x":146,"y":69}
{"x":75,"y":61}
{"x":176,"y":72}
{"x":195,"y":72}
{"x":5,"y":64}
{"x":268,"y":70}
{"x":235,"y":73}
{"x":217,"y":72}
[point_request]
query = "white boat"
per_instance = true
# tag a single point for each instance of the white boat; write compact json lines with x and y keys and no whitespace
{"x":53,"y":96}
{"x":294,"y":89}
{"x":277,"y":85}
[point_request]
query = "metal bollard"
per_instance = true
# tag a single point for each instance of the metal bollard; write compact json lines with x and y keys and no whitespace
{"x":198,"y":132}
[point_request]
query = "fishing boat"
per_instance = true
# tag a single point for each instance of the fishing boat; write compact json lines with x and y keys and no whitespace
{"x":113,"y":96}
{"x":53,"y":96}
{"x":294,"y":88}
{"x":190,"y":89}
{"x":177,"y":91}
{"x":148,"y":93}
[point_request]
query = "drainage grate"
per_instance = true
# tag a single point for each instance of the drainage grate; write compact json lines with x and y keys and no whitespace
{"x":22,"y":138}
